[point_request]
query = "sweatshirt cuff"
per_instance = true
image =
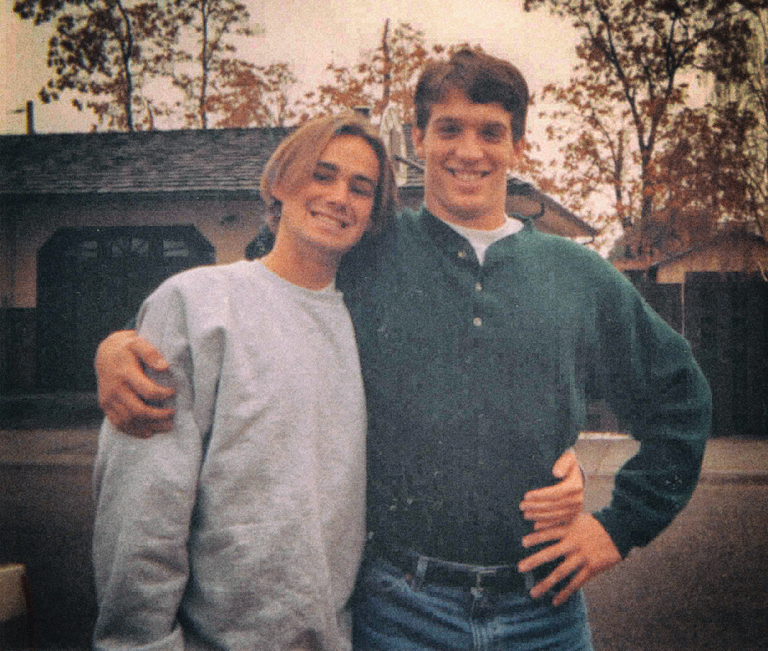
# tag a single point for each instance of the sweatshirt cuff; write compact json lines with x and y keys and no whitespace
{"x":621,"y":534}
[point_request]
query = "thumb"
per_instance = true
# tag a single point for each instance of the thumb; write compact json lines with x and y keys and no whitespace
{"x":564,"y":464}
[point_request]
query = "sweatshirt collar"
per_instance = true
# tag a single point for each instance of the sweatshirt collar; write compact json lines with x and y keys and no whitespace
{"x":448,"y":240}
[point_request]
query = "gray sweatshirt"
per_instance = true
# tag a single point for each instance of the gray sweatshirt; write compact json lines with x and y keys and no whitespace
{"x":243,"y":527}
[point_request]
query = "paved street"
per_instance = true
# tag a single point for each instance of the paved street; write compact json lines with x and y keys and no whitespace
{"x":703,"y":585}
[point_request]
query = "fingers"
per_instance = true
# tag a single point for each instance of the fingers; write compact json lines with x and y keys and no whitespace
{"x":535,"y":502}
{"x":575,"y":566}
{"x":548,"y":553}
{"x":570,"y":566}
{"x":571,"y":485}
{"x":553,"y":519}
{"x":559,"y":504}
{"x":123,"y":387}
{"x":147,"y":354}
{"x":139,"y":351}
{"x":584,"y":548}
{"x":133,"y":416}
{"x":566,"y":489}
{"x":549,"y":514}
{"x":146,"y":389}
{"x":576,"y":583}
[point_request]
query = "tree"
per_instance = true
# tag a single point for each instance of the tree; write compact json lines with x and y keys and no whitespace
{"x":213,"y":63}
{"x":636,"y":59}
{"x":750,"y":97}
{"x":101,"y":48}
{"x":252,"y":95}
{"x":387,"y":74}
{"x":110,"y":50}
{"x":594,"y":131}
{"x":698,"y":175}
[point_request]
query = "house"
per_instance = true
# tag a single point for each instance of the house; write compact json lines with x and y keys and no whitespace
{"x":92,"y":222}
{"x":732,"y":250}
{"x":716,"y":293}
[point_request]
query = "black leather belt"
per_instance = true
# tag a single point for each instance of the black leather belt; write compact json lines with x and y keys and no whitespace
{"x":434,"y":571}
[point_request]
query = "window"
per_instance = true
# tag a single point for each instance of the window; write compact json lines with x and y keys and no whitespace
{"x":175,"y":249}
{"x":125,"y":246}
{"x":86,"y":250}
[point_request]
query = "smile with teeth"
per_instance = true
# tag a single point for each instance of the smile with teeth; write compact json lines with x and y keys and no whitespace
{"x":468,"y":175}
{"x":329,"y":219}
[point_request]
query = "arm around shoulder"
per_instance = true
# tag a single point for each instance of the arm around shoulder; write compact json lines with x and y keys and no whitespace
{"x":124,"y":387}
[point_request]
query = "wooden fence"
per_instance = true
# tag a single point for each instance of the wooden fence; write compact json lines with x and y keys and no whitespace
{"x":725,"y":318}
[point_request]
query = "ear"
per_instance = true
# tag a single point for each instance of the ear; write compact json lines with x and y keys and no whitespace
{"x":418,"y":142}
{"x":518,"y":149}
{"x":278,"y":192}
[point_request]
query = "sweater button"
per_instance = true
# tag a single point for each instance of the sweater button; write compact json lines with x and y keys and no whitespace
{"x":462,"y":254}
{"x":477,"y":321}
{"x":478,"y":286}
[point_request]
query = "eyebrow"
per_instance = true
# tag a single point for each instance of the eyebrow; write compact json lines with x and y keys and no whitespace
{"x":450,"y":119}
{"x":332,"y":167}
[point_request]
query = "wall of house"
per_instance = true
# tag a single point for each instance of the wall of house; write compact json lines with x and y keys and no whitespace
{"x":228,"y":224}
{"x":730,"y":256}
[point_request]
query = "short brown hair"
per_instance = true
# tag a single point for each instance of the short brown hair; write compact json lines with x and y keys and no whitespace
{"x":293,"y":163}
{"x":482,"y":78}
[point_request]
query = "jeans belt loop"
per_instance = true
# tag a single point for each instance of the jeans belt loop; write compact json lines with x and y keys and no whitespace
{"x":530,"y":580}
{"x":421,"y":572}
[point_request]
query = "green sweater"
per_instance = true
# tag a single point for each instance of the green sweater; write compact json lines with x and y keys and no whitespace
{"x":476,"y":381}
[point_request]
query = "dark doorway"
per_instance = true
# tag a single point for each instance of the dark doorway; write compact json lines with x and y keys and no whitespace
{"x":91,"y":281}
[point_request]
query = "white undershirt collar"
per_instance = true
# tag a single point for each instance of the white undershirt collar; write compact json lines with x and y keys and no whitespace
{"x":482,"y":239}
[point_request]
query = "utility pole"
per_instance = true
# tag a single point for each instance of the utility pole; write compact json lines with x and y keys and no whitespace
{"x":30,"y":118}
{"x":30,"y":111}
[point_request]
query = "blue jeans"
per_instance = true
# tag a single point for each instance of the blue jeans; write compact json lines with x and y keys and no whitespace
{"x":394,"y":613}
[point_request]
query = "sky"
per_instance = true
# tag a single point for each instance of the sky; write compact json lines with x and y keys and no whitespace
{"x":309,"y":35}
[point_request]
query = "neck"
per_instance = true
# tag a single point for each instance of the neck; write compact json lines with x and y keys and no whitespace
{"x":479,"y":221}
{"x":304,"y":270}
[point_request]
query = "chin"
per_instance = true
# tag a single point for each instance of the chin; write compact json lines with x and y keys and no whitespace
{"x":469,"y":213}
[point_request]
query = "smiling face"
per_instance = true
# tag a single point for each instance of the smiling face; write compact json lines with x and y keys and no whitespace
{"x":468,"y":148}
{"x":326,"y":216}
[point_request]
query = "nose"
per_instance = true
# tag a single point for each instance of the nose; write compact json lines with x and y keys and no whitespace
{"x":468,"y":146}
{"x":338,"y":192}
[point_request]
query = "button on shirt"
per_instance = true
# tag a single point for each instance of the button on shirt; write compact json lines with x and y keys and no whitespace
{"x":480,"y":240}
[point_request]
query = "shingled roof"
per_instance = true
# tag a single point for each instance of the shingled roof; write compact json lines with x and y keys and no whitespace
{"x":215,"y":160}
